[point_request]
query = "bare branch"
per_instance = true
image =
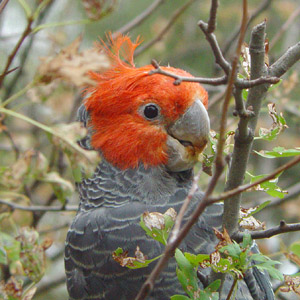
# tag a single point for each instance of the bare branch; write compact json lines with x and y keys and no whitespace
{"x":2,"y":5}
{"x":231,"y":80}
{"x":286,"y":61}
{"x":11,"y":57}
{"x":283,"y":227}
{"x":244,"y":136}
{"x":184,"y":207}
{"x":212,"y":16}
{"x":242,"y":188}
{"x":211,"y":38}
{"x":38,"y":208}
{"x":160,"y":35}
{"x":138,"y":19}
{"x":179,"y":79}
{"x":246,"y":84}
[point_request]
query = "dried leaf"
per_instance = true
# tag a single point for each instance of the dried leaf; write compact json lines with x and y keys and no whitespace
{"x":122,"y":258}
{"x":154,"y":220}
{"x":292,"y":284}
{"x":13,"y":288}
{"x":249,"y":222}
{"x":73,"y":66}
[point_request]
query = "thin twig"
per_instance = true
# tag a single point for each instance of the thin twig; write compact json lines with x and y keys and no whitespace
{"x":12,"y":142}
{"x":139,"y":19}
{"x":178,"y":79}
{"x":211,"y":24}
{"x":245,"y":187}
{"x":160,"y":35}
{"x":184,"y":207}
{"x":11,"y":57}
{"x":219,"y":58}
{"x":283,"y":227}
{"x":38,"y":208}
{"x":246,"y":84}
{"x":231,"y":80}
{"x":2,"y":5}
{"x":231,"y":289}
{"x":170,"y":247}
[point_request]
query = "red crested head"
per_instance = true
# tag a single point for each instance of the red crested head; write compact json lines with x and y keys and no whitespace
{"x":131,"y":111}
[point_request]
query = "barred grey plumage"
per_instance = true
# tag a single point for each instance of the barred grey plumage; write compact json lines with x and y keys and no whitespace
{"x":111,"y":203}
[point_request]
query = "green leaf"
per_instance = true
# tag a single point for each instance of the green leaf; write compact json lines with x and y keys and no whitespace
{"x":279,"y":152}
{"x":270,"y":187}
{"x":195,"y":260}
{"x":295,"y":248}
{"x":214,"y":286}
{"x":247,"y":240}
{"x":233,"y":250}
{"x":180,"y":297}
{"x":187,"y":270}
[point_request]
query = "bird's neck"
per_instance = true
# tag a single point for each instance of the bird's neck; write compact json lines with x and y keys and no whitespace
{"x":112,"y":186}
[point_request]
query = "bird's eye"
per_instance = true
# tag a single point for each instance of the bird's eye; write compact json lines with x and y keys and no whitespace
{"x":151,"y":111}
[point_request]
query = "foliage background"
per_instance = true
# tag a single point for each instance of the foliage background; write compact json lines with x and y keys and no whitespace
{"x":54,"y":104}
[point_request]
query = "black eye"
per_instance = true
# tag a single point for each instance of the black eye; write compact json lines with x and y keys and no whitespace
{"x":151,"y":111}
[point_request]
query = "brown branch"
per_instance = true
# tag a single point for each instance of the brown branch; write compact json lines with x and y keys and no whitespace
{"x":211,"y":38}
{"x":171,"y":246}
{"x":160,"y":35}
{"x":211,"y":24}
{"x":245,"y":187}
{"x":2,"y":5}
{"x":11,"y":57}
{"x":138,"y":19}
{"x":232,"y":289}
{"x":283,"y":227}
{"x":179,"y":79}
{"x":38,"y":208}
{"x":231,"y":80}
{"x":284,"y":27}
{"x":246,"y":84}
{"x":184,"y":207}
{"x":206,"y":201}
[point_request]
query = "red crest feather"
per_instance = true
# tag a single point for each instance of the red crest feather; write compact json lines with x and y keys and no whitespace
{"x":123,"y":135}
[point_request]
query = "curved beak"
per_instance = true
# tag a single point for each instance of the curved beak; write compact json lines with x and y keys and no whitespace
{"x":188,"y":137}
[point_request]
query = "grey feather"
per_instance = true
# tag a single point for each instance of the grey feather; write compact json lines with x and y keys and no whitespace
{"x":112,"y":202}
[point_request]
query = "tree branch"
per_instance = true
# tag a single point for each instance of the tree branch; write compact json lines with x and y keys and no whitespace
{"x":211,"y":24}
{"x":179,"y":79}
{"x":38,"y":208}
{"x":283,"y":227}
{"x":11,"y":57}
{"x":286,"y":61}
{"x":211,"y":38}
{"x":244,"y":136}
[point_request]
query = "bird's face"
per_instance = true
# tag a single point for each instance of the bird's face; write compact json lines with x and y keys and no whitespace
{"x":142,"y":119}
